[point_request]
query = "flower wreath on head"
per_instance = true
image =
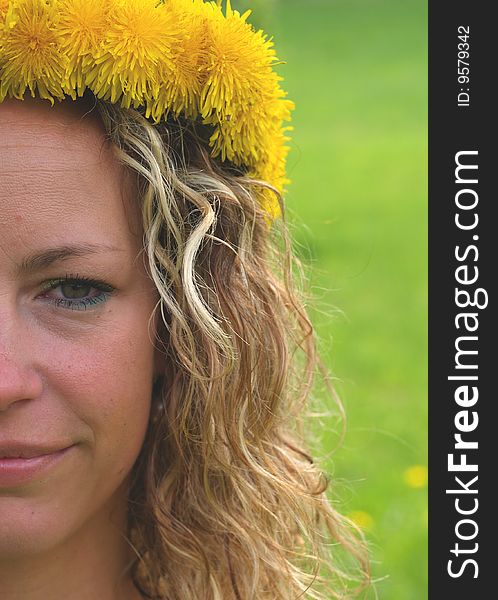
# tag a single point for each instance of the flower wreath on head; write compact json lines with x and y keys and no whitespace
{"x":171,"y":57}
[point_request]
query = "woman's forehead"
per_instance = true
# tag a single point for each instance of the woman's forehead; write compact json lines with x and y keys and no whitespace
{"x":57,"y":173}
{"x":27,"y":125}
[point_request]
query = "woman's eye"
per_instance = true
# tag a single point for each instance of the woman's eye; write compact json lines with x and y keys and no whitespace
{"x":76,"y":293}
{"x":75,"y":290}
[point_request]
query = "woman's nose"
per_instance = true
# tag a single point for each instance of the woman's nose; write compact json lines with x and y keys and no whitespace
{"x":18,"y":382}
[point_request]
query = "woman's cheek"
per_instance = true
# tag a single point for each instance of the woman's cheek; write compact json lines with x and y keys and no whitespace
{"x":104,"y":377}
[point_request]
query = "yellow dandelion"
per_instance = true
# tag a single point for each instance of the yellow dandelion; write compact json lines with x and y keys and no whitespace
{"x":362,"y":519}
{"x":238,"y":66}
{"x":31,"y":57}
{"x":272,"y":169}
{"x":243,"y":137}
{"x":257,"y":139}
{"x":269,"y":203}
{"x":136,"y":52}
{"x":265,"y":160}
{"x":181,"y":83}
{"x":4,"y":5}
{"x":251,"y":137}
{"x":416,"y":476}
{"x":235,"y":138}
{"x":82,"y":25}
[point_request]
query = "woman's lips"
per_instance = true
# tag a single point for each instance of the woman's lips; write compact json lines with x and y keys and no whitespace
{"x":20,"y":465}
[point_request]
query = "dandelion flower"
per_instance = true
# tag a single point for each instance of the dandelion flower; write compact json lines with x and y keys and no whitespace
{"x":82,"y":25}
{"x":244,"y":137}
{"x":4,"y":5}
{"x":31,"y":57}
{"x":416,"y":476}
{"x":136,"y":52}
{"x":182,"y":78}
{"x":238,"y":67}
{"x":362,"y":519}
{"x":272,"y":168}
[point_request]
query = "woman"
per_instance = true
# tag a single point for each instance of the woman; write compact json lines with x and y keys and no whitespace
{"x":154,"y":358}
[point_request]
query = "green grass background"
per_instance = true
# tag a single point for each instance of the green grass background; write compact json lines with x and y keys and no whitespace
{"x":357,"y":70}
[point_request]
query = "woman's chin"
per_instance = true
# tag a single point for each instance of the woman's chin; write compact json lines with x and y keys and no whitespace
{"x":28,"y":527}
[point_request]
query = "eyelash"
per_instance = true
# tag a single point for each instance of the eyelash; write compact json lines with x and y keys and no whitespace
{"x":105,"y":290}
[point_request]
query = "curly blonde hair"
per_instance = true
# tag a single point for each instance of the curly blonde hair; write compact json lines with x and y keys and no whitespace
{"x":225,"y":502}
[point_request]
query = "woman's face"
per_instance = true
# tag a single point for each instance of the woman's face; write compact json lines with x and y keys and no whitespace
{"x":76,"y":357}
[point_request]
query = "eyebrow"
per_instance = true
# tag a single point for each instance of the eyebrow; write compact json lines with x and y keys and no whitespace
{"x":41,"y":260}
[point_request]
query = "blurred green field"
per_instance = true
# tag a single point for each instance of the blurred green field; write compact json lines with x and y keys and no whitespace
{"x":357,"y":72}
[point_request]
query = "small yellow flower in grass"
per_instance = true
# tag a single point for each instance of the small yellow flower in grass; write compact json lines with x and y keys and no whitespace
{"x":31,"y":57}
{"x":82,"y":25}
{"x":136,"y":52}
{"x":239,"y":64}
{"x":416,"y":476}
{"x":362,"y":519}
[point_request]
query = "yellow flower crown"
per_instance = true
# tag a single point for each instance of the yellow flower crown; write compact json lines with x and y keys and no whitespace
{"x":172,"y":57}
